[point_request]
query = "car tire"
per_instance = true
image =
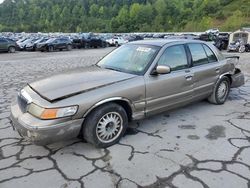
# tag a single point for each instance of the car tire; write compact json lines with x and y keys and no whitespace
{"x":247,"y":48}
{"x":116,"y":44}
{"x":220,"y":92}
{"x":50,"y":48}
{"x":105,"y":125}
{"x":242,"y":49}
{"x":11,"y":49}
{"x":69,"y":47}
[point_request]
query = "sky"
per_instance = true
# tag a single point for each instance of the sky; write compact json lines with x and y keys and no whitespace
{"x":1,"y":1}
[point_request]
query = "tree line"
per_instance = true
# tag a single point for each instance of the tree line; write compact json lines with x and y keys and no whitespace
{"x":122,"y":15}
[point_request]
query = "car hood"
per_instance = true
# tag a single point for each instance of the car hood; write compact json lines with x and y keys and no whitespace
{"x":78,"y":81}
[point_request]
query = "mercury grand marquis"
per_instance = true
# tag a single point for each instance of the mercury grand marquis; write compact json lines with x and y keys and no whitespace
{"x":132,"y":82}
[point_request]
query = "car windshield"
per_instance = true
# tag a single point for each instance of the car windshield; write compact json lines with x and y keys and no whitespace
{"x":130,"y":58}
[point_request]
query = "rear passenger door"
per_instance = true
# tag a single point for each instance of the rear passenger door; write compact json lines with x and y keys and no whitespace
{"x":205,"y":67}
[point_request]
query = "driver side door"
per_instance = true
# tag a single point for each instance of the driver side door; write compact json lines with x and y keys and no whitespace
{"x":167,"y":91}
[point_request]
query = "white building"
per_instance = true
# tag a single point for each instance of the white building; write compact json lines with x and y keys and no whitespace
{"x":243,"y":34}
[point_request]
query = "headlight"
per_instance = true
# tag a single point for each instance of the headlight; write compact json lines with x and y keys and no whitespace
{"x":51,"y":113}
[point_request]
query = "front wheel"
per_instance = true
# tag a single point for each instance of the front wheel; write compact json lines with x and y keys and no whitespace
{"x":12,"y":49}
{"x":221,"y":91}
{"x":105,"y":125}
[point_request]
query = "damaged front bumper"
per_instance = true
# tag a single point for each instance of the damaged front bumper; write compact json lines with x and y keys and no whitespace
{"x":42,"y":132}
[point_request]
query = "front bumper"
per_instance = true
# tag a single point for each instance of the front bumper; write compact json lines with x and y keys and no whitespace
{"x":42,"y":132}
{"x":232,"y":48}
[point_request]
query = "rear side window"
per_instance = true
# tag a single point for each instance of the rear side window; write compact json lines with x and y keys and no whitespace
{"x":210,"y":55}
{"x":198,"y":54}
{"x":174,"y":57}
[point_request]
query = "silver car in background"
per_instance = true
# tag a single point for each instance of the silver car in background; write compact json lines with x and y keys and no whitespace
{"x":134,"y":81}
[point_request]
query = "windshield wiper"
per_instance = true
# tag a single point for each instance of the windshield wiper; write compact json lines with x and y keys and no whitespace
{"x":115,"y":69}
{"x":97,"y":65}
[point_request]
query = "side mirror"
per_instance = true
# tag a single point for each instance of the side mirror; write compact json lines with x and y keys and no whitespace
{"x":162,"y":69}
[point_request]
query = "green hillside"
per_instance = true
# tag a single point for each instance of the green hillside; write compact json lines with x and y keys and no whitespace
{"x":123,"y":15}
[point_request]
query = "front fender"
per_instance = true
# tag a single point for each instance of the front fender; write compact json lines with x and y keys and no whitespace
{"x":109,"y":100}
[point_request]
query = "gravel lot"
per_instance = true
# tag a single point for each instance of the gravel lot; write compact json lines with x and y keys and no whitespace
{"x":200,"y":145}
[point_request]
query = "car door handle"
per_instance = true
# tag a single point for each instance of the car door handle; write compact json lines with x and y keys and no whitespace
{"x":189,"y":77}
{"x":217,"y":70}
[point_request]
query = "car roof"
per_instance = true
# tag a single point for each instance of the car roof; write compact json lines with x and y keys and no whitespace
{"x":162,"y":42}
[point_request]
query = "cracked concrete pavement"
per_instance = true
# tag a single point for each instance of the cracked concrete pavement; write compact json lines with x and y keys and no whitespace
{"x":200,"y":145}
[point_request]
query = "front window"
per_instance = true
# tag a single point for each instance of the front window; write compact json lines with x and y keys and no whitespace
{"x":174,"y":57}
{"x":131,"y":58}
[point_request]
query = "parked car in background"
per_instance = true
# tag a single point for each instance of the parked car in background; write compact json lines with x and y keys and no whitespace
{"x":238,"y":46}
{"x":134,"y":81}
{"x":88,"y":40}
{"x":188,"y":37}
{"x":54,"y":44}
{"x":158,"y":35}
{"x":96,"y":41}
{"x":221,"y":41}
{"x":131,"y":38}
{"x":116,"y":41}
{"x":19,"y":41}
{"x":208,"y":37}
{"x":213,"y":31}
{"x":79,"y":42}
{"x":22,"y":45}
{"x":7,"y":45}
{"x":32,"y":46}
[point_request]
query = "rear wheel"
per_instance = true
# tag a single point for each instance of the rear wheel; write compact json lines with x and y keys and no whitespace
{"x":242,"y":49}
{"x":221,"y":91}
{"x":105,"y":125}
{"x":12,"y":49}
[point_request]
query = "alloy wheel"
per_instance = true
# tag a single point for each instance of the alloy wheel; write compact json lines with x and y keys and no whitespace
{"x":109,"y":127}
{"x":222,"y":90}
